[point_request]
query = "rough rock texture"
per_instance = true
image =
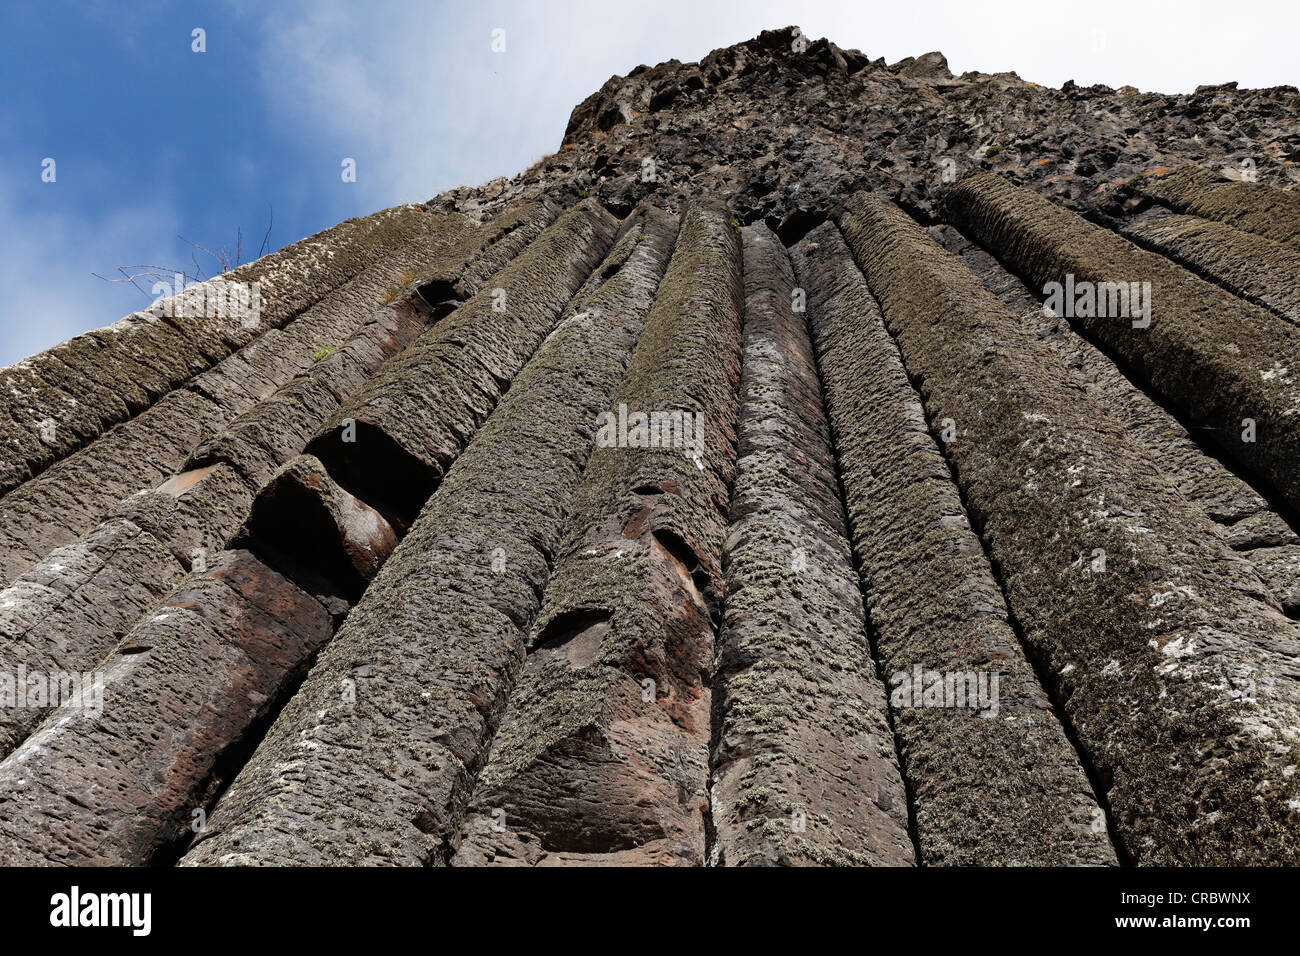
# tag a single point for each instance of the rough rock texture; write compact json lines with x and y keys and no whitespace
{"x":179,"y":694}
{"x":96,"y":380}
{"x":72,"y":608}
{"x":1231,"y":367}
{"x":225,"y":410}
{"x":993,"y":780}
{"x":435,"y":564}
{"x":1254,"y":207}
{"x":1279,"y":568}
{"x":1166,"y":655}
{"x":1261,"y":270}
{"x":394,"y":440}
{"x":432,"y":649}
{"x":804,"y":767}
{"x":787,"y":127}
{"x":192,"y":514}
{"x":1245,"y":519}
{"x":603,"y":754}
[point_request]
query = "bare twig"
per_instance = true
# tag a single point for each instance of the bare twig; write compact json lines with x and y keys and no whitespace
{"x":266,"y":239}
{"x":149,"y":273}
{"x":223,"y":257}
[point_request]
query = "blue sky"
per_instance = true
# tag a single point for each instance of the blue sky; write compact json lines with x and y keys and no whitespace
{"x":152,"y":140}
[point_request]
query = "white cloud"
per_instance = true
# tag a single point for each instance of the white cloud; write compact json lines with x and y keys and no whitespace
{"x":47,"y":256}
{"x":413,"y":92}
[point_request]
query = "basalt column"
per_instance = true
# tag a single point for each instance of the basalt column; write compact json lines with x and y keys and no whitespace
{"x":804,"y":767}
{"x":603,"y":753}
{"x":1178,"y":681}
{"x":1228,"y":365}
{"x":1245,"y":519}
{"x":54,"y":616}
{"x":993,"y":778}
{"x":380,"y":775}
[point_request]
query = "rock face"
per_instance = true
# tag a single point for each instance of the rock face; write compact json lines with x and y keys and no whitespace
{"x":815,"y":462}
{"x":787,"y":127}
{"x":803,"y":723}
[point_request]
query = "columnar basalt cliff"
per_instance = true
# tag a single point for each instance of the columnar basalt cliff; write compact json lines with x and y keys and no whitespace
{"x":815,"y":461}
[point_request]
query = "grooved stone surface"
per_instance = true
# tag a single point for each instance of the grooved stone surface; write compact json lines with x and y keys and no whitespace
{"x":1262,"y":270}
{"x":804,"y":769}
{"x":180,"y":692}
{"x":993,"y":780}
{"x":72,"y":497}
{"x":1245,"y":518}
{"x":431,"y":649}
{"x":436,"y":564}
{"x":67,"y":612}
{"x":426,"y":404}
{"x":1162,"y":660}
{"x":276,"y":413}
{"x":58,"y":385}
{"x":1254,"y":207}
{"x":1219,"y":359}
{"x":602,"y":756}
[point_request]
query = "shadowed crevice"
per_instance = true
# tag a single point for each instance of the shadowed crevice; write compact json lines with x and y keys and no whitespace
{"x":378,"y":470}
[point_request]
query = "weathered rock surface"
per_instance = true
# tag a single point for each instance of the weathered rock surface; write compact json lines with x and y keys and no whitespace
{"x":786,"y":127}
{"x":431,"y":650}
{"x":1230,"y":366}
{"x":804,"y":767}
{"x":96,"y":380}
{"x":1261,"y":270}
{"x":224,"y":410}
{"x":993,"y":777}
{"x":392,"y":442}
{"x":1254,"y":207}
{"x":435,"y":564}
{"x":1245,"y":518}
{"x":69,"y":611}
{"x":1162,"y":656}
{"x":604,"y":748}
{"x":181,"y":693}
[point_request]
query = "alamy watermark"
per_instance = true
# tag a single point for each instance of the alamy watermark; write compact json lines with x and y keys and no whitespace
{"x":133,"y":911}
{"x":959,"y":690}
{"x":656,"y":429}
{"x":1105,"y":300}
{"x":24,"y":688}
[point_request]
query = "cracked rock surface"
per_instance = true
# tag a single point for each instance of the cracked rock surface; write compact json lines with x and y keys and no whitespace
{"x":737,"y":486}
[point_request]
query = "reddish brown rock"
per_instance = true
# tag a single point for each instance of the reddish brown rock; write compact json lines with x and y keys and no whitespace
{"x":123,"y":774}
